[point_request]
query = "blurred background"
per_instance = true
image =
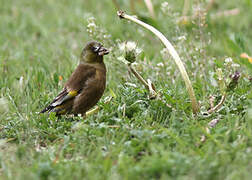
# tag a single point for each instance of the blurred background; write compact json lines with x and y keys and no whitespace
{"x":40,"y":45}
{"x":51,"y":33}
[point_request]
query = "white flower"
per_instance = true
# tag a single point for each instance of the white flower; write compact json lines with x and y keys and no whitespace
{"x":131,"y":84}
{"x":228,"y":60}
{"x":122,"y":46}
{"x":130,"y":46}
{"x":138,"y":50}
{"x":182,"y":38}
{"x":91,"y":25}
{"x":164,"y":53}
{"x":130,"y":50}
{"x":160,"y":64}
{"x":91,"y":20}
{"x":165,"y":7}
{"x":235,"y":65}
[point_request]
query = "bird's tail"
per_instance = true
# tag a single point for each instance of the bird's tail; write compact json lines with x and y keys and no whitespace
{"x":48,"y":108}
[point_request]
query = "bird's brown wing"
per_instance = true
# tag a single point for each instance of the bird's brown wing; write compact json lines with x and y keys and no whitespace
{"x":92,"y":92}
{"x":63,"y":102}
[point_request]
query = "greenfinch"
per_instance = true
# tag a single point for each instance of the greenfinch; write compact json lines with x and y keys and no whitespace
{"x":85,"y":86}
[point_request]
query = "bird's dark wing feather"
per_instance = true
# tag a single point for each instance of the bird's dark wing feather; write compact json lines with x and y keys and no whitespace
{"x":62,"y":94}
{"x":72,"y":88}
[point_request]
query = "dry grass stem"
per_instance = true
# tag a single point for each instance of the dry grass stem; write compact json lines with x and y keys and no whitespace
{"x":202,"y":138}
{"x":173,"y":53}
{"x":186,"y":7}
{"x":138,"y":76}
{"x":151,"y":88}
{"x":149,"y":5}
{"x":147,"y":84}
{"x":218,"y":106}
{"x":217,"y":15}
{"x":226,"y":13}
{"x":113,"y":126}
{"x":211,"y":101}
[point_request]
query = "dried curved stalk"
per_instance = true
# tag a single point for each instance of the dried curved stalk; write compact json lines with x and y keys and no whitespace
{"x":173,"y":53}
{"x":148,"y":84}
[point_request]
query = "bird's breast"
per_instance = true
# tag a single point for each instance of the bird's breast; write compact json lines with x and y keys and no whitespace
{"x":100,"y":77}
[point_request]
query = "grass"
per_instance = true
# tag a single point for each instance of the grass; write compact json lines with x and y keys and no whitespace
{"x":132,"y":137}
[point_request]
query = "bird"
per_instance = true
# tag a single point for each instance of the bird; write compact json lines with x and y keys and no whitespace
{"x":86,"y":84}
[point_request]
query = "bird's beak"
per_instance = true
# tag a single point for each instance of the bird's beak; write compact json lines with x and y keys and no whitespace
{"x":102,"y":51}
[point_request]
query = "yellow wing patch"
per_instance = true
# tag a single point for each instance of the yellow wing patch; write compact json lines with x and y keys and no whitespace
{"x":73,"y":93}
{"x":69,"y":95}
{"x":62,"y":111}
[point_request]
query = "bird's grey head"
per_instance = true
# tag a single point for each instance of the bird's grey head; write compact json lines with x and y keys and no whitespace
{"x":93,"y":52}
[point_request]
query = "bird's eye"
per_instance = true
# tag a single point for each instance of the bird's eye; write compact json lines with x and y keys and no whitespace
{"x":96,"y":48}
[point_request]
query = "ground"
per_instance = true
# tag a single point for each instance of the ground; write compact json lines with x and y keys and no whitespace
{"x":131,"y":137}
